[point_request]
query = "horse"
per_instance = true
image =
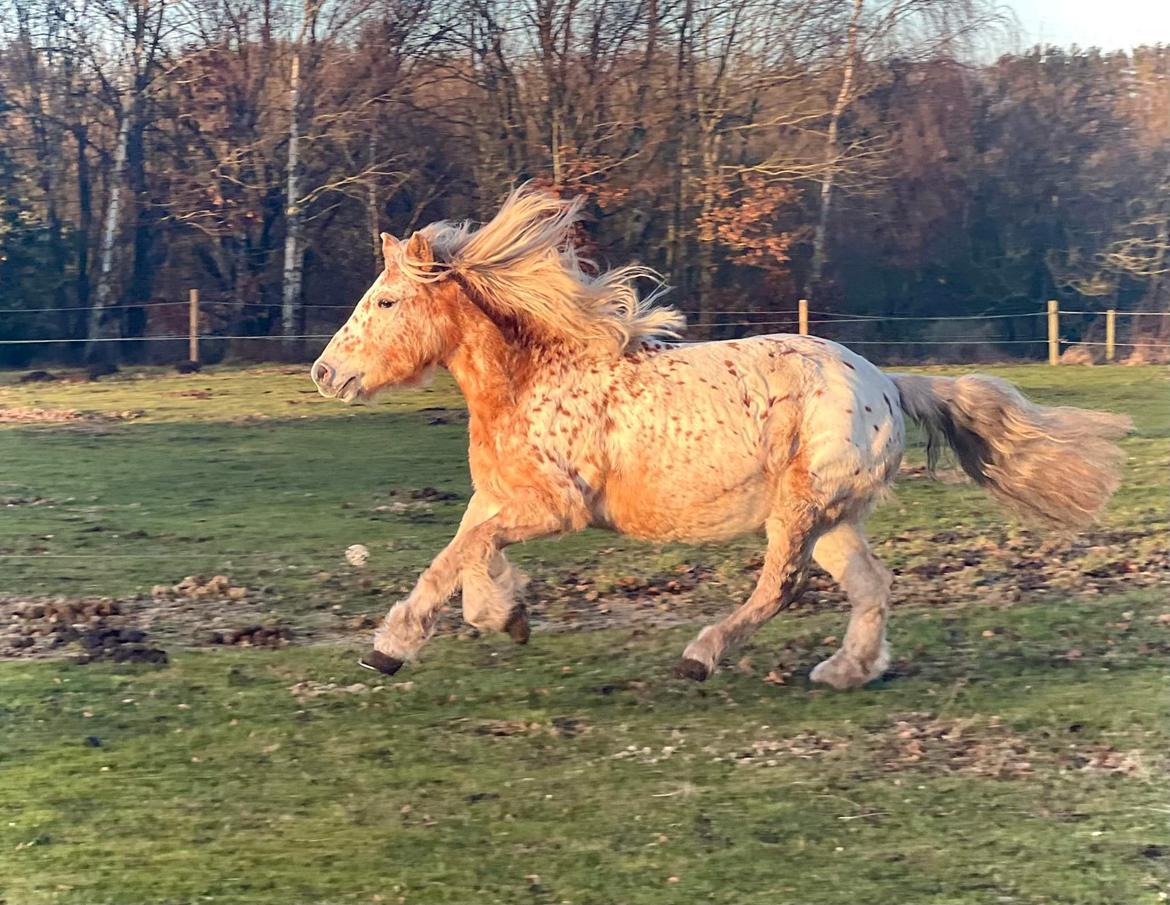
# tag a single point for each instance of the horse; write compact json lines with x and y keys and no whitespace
{"x":586,"y":410}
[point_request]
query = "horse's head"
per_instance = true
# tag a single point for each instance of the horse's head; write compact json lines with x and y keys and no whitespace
{"x":397,"y":334}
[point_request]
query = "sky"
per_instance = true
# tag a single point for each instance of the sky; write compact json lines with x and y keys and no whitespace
{"x":1108,"y":24}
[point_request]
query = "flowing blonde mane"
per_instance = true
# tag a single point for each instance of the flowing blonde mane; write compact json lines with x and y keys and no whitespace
{"x":524,"y":266}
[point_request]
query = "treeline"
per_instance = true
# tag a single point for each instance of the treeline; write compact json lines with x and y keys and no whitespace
{"x":753,"y":151}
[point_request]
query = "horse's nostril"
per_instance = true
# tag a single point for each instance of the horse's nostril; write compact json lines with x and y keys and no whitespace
{"x":322,"y":373}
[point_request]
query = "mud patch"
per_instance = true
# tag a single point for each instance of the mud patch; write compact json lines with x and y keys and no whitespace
{"x":190,"y":616}
{"x":192,"y":394}
{"x":578,"y":601}
{"x":272,"y":635}
{"x":409,"y":501}
{"x":557,"y":727}
{"x":310,"y":690}
{"x":439,"y":416}
{"x":16,"y":500}
{"x":87,"y":630}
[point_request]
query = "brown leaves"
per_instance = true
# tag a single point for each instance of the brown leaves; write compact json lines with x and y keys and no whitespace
{"x":743,"y":216}
{"x":967,"y":746}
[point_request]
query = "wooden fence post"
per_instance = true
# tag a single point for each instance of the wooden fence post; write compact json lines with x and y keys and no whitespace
{"x":1110,"y":334}
{"x":1053,"y":333}
{"x":193,"y":325}
{"x":802,"y":309}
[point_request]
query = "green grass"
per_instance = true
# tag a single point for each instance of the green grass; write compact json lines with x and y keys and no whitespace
{"x":488,"y":773}
{"x":213,"y":783}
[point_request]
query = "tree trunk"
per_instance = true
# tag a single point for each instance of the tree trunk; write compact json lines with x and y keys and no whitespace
{"x":84,"y":232}
{"x":1157,"y":287}
{"x":294,"y":253}
{"x":100,"y":323}
{"x":817,"y":268}
{"x":146,"y":227}
{"x":372,"y":209}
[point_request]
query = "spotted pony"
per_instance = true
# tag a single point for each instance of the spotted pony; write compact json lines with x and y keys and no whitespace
{"x":584,"y":411}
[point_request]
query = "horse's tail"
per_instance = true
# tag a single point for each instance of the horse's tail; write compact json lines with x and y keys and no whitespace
{"x":1056,"y":466}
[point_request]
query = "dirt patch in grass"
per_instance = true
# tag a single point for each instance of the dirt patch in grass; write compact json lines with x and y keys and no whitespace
{"x":924,"y":743}
{"x":962,"y":568}
{"x":983,"y":747}
{"x":768,"y":752}
{"x":81,"y":627}
{"x":14,"y":500}
{"x":196,"y":587}
{"x":309,"y":689}
{"x":440,"y":415}
{"x":955,"y":567}
{"x":31,"y":415}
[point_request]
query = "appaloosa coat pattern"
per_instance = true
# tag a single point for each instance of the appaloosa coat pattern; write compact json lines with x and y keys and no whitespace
{"x":584,"y":412}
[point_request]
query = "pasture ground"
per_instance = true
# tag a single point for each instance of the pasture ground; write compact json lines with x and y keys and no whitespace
{"x":1016,"y":752}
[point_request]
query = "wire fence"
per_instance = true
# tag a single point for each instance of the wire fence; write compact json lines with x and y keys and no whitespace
{"x":892,"y":332}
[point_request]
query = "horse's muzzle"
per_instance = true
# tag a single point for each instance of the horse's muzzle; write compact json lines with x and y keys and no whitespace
{"x":334,"y":384}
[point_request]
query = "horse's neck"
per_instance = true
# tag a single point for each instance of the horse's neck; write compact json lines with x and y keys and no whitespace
{"x":488,"y":370}
{"x":497,"y":366}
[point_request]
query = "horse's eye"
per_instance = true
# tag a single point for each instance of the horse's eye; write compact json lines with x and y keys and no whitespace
{"x":385,"y":303}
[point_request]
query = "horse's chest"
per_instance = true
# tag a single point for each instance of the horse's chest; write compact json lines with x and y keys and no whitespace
{"x":550,"y":445}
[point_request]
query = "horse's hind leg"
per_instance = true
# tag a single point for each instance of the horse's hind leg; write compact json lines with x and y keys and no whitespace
{"x":864,"y":654}
{"x":790,"y":540}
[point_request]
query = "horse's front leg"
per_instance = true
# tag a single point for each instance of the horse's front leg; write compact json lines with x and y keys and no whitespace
{"x":489,"y":597}
{"x":411,"y":621}
{"x":490,"y":589}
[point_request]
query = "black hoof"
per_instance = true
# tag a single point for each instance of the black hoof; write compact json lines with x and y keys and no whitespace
{"x":380,"y":662}
{"x":517,"y":625}
{"x":691,"y":669}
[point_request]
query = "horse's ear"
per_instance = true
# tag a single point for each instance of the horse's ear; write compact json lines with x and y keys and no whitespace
{"x":389,"y":248}
{"x":418,"y":249}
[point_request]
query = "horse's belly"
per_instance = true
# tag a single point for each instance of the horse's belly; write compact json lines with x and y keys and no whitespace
{"x":704,"y":482}
{"x":669,"y":512}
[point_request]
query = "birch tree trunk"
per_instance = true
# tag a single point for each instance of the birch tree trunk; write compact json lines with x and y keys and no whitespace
{"x":844,"y":95}
{"x":372,"y":208}
{"x":99,"y":322}
{"x":294,"y":237}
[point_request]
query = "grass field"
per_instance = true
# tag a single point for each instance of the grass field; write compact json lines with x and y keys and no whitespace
{"x":1016,"y":753}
